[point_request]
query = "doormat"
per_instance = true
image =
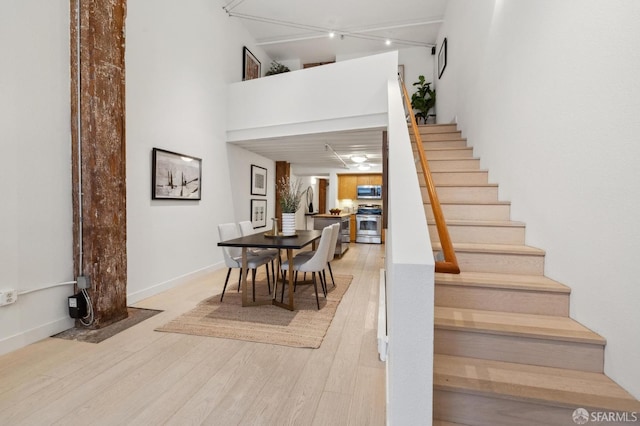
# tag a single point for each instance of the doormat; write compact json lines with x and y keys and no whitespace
{"x":136,"y":316}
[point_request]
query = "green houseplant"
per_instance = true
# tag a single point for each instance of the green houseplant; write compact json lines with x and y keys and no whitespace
{"x":277,"y":68}
{"x":423,"y":99}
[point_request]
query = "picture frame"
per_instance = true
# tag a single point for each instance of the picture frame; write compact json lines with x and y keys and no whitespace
{"x":442,"y":58}
{"x":401,"y":72}
{"x":175,"y":176}
{"x":258,"y":180}
{"x":258,"y":213}
{"x":251,"y":67}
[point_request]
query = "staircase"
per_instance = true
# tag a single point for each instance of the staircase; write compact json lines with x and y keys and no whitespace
{"x":506,"y":351}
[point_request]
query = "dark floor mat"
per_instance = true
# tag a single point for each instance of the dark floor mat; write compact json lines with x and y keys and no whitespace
{"x":136,"y":315}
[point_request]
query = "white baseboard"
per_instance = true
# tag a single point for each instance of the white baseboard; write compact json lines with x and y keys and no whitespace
{"x":169,"y":284}
{"x":33,"y":335}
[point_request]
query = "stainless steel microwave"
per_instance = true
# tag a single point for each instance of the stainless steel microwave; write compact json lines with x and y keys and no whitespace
{"x":370,"y":192}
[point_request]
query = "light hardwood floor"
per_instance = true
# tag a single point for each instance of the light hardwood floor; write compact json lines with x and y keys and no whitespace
{"x":144,"y":377}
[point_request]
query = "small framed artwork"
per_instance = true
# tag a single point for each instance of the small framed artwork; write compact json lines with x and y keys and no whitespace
{"x":442,"y":58}
{"x":175,"y":176}
{"x":401,"y":72}
{"x":258,"y":213}
{"x":258,"y":180}
{"x":250,"y":65}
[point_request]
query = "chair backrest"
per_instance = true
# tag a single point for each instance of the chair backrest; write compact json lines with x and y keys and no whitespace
{"x":319,"y":260}
{"x":246,"y":227}
{"x":335,"y":233}
{"x":227,"y":231}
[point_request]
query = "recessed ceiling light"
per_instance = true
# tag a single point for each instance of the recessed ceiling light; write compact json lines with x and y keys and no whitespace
{"x":364,"y":167}
{"x":359,"y":158}
{"x":332,"y":34}
{"x":388,"y":42}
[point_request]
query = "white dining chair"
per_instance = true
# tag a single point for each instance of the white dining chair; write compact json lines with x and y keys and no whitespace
{"x":314,"y":264}
{"x":335,"y":234}
{"x":246,"y":228}
{"x":233,"y":258}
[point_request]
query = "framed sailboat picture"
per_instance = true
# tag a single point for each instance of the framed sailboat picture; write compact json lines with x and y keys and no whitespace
{"x":175,"y":176}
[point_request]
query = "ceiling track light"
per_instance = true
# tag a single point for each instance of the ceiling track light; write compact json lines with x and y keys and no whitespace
{"x":329,"y":147}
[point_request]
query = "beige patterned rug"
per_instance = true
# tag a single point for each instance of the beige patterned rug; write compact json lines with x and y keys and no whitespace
{"x":303,"y":328}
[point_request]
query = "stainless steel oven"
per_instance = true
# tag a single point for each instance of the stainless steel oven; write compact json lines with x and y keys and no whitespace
{"x":368,"y":228}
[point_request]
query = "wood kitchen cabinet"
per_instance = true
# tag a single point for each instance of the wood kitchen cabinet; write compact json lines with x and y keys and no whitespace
{"x":347,"y":187}
{"x":347,"y":184}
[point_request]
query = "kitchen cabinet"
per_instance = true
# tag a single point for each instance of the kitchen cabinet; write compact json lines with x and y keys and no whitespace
{"x":347,"y":187}
{"x":347,"y":184}
{"x":352,"y":232}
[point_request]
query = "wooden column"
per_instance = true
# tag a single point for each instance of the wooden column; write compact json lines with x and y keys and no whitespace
{"x":101,"y":154}
{"x":283,"y":170}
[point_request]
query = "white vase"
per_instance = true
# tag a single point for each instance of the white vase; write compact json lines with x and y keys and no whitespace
{"x":288,"y":224}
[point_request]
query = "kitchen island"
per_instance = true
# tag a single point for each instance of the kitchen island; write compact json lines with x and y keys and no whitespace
{"x":322,"y":220}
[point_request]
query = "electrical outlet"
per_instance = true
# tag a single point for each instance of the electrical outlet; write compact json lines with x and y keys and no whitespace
{"x":8,"y":296}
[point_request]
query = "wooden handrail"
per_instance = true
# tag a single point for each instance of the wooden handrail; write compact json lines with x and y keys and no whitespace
{"x":450,"y":263}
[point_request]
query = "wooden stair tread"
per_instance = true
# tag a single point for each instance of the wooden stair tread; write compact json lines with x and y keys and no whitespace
{"x":487,"y":223}
{"x":502,"y":281}
{"x":515,"y":324}
{"x":493,"y":248}
{"x":475,"y":203}
{"x":545,"y":385}
{"x":465,"y":185}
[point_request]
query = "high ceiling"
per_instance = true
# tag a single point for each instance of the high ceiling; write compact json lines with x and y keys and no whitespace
{"x":300,"y":29}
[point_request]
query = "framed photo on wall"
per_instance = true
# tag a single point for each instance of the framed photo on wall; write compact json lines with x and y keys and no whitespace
{"x":442,"y":58}
{"x":175,"y":176}
{"x":258,"y":180}
{"x":258,"y":213}
{"x":250,"y":65}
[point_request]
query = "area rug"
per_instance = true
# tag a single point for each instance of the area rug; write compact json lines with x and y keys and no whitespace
{"x":303,"y":328}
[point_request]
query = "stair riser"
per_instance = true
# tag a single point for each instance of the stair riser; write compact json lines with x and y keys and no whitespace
{"x":449,"y":136}
{"x":455,"y":164}
{"x":479,"y":410}
{"x":438,"y":154}
{"x":503,"y":300}
{"x":481,"y":234}
{"x":441,"y":128}
{"x":521,"y":350}
{"x":429,"y":145}
{"x":457,"y":178}
{"x":464,"y":194}
{"x":503,"y":263}
{"x":472,"y":211}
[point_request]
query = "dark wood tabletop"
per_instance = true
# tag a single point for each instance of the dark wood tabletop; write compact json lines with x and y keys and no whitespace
{"x":259,"y":240}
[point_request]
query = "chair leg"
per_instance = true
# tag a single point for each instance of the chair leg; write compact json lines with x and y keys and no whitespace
{"x":253,"y":282}
{"x":295,"y":281}
{"x":225,"y":284}
{"x":284,"y":279}
{"x":331,"y":273}
{"x":323,"y":281}
{"x":315,"y":286}
{"x":268,"y":280}
{"x":239,"y":278}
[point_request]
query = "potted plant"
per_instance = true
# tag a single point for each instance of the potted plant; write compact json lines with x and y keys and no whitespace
{"x":277,"y":68}
{"x":423,"y":99}
{"x":290,"y":194}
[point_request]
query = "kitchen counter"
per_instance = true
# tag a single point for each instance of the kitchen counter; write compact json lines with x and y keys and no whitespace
{"x":344,"y":219}
{"x":329,"y":215}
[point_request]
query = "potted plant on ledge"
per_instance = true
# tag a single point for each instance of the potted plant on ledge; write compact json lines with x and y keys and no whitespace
{"x":423,"y":99}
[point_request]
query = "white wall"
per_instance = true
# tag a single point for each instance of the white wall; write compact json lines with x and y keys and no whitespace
{"x":346,"y":95}
{"x":178,"y":71}
{"x":548,"y":94}
{"x":410,"y":275}
{"x":35,"y":148}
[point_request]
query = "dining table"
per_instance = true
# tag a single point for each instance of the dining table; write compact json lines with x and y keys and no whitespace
{"x":299,"y":240}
